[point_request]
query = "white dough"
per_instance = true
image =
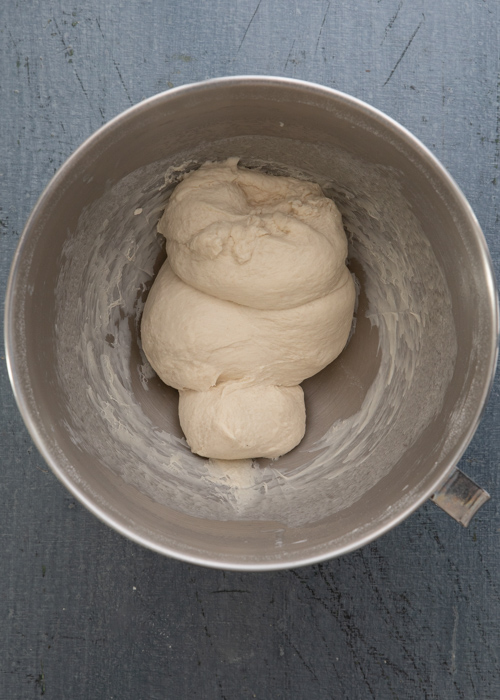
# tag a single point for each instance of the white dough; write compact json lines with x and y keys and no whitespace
{"x":254,"y":421}
{"x":254,"y":298}
{"x":260,"y":240}
{"x":196,"y":341}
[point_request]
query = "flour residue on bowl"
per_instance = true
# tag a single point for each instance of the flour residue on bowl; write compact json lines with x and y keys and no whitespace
{"x":122,"y":413}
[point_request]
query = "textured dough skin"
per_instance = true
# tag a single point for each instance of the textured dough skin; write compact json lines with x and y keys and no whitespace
{"x":254,"y":298}
{"x":195,"y":341}
{"x":259,"y":240}
{"x":255,"y":421}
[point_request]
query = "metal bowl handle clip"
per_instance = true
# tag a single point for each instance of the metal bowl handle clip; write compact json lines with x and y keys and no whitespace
{"x":460,"y":497}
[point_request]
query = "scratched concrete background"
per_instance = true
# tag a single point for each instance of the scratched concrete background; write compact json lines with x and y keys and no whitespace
{"x":87,"y":614}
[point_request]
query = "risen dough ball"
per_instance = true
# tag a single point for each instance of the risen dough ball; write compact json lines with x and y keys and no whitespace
{"x":196,"y":341}
{"x":254,"y":298}
{"x":254,"y":421}
{"x":260,"y":240}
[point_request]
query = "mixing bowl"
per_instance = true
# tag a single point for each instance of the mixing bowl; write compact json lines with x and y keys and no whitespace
{"x":387,"y":421}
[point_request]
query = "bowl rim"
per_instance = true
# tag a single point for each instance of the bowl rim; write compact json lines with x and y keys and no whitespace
{"x":420,"y":150}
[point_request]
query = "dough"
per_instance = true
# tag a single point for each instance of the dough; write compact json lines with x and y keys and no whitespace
{"x":196,"y":341}
{"x":254,"y":298}
{"x":248,"y":421}
{"x":259,"y":240}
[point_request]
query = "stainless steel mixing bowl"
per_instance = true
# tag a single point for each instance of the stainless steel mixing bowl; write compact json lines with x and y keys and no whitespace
{"x":387,"y":422}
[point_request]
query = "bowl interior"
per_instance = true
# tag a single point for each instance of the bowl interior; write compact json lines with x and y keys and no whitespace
{"x":386,"y":420}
